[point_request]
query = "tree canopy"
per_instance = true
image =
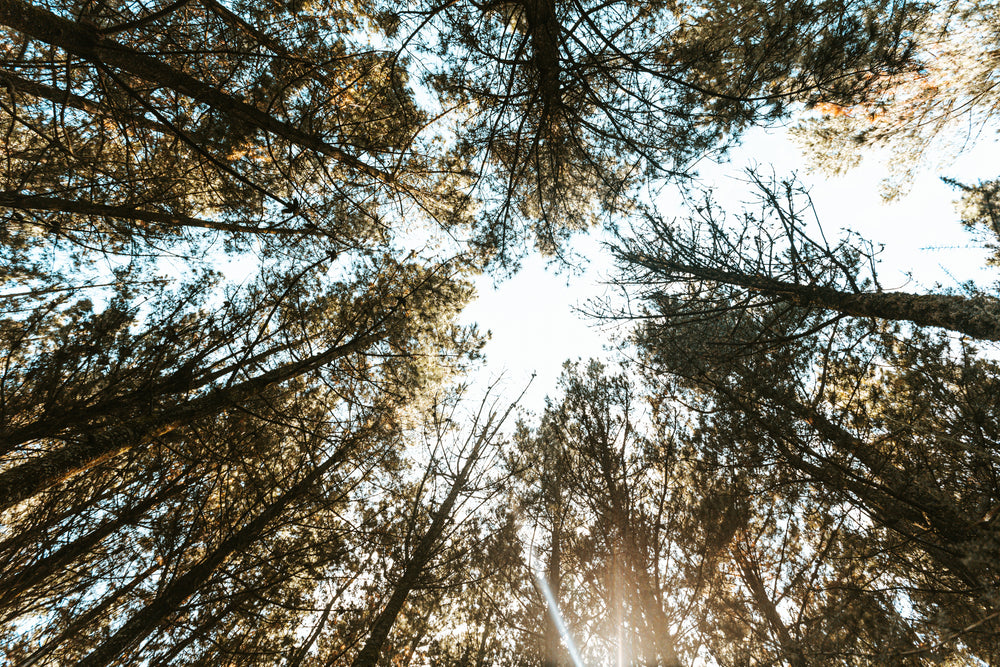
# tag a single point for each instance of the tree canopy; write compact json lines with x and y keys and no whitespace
{"x":238,"y":416}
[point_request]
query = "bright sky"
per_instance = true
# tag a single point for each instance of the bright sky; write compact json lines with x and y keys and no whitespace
{"x":533,"y":318}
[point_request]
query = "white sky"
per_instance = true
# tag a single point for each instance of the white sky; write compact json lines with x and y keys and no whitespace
{"x":533,"y":318}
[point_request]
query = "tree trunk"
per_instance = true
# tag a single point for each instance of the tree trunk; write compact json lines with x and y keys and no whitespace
{"x":553,"y":642}
{"x":888,"y":495}
{"x":978,"y":317}
{"x":66,"y":98}
{"x":28,"y":479}
{"x":88,"y":617}
{"x":53,"y":423}
{"x":18,"y":582}
{"x":369,"y":654}
{"x":172,"y":596}
{"x":17,"y":200}
{"x":88,"y":43}
{"x":765,"y":605}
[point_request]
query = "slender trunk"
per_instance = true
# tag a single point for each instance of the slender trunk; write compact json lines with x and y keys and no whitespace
{"x":63,"y":97}
{"x":544,"y":31}
{"x":236,"y":21}
{"x":485,"y":641}
{"x":553,"y":642}
{"x":63,"y":419}
{"x":978,"y":317}
{"x":18,"y":582}
{"x":28,"y":479}
{"x":420,"y":632}
{"x":88,"y":617}
{"x":944,"y":517}
{"x":768,"y":610}
{"x":88,"y":43}
{"x":76,"y":207}
{"x":896,"y":515}
{"x":659,"y":638}
{"x":172,"y":596}
{"x":898,"y":505}
{"x":916,"y":502}
{"x":201,"y":631}
{"x":369,"y":654}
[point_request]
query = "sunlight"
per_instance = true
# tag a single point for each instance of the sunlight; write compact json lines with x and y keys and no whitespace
{"x":550,"y":599}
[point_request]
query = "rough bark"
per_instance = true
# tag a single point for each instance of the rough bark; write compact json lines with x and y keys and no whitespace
{"x":544,"y":29}
{"x":977,"y":317}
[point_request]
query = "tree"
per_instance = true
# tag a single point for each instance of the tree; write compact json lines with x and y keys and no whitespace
{"x":831,"y":406}
{"x":94,"y":432}
{"x":776,"y":257}
{"x":236,"y":239}
{"x":482,"y":435}
{"x":149,"y":114}
{"x":562,"y":108}
{"x":608,"y":540}
{"x":925,"y":116}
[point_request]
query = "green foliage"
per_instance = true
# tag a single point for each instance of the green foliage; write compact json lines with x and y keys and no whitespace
{"x":236,"y":238}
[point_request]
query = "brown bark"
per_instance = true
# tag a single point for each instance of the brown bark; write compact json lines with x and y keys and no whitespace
{"x":544,"y":29}
{"x":88,"y":43}
{"x":978,"y":317}
{"x":36,"y":475}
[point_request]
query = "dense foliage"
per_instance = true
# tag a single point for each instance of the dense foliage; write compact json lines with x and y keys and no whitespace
{"x":235,"y":420}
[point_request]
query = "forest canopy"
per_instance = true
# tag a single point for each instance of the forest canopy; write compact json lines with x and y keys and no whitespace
{"x":239,"y":420}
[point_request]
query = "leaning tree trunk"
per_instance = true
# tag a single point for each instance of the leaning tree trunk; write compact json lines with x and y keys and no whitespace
{"x":29,"y":479}
{"x":146,"y":620}
{"x":978,"y":317}
{"x":88,"y":43}
{"x":18,"y":582}
{"x":369,"y":654}
{"x":29,"y":202}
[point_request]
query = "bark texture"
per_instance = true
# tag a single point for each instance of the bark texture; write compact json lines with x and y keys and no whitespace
{"x":977,"y":317}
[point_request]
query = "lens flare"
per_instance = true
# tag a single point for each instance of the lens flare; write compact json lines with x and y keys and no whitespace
{"x":550,"y":599}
